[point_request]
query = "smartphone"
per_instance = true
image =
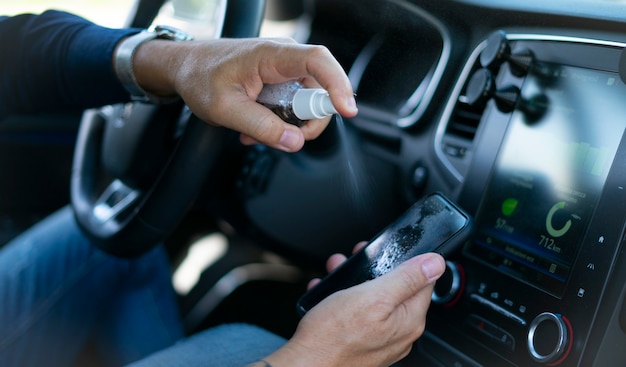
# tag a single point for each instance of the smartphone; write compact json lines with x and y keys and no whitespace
{"x":433,"y":224}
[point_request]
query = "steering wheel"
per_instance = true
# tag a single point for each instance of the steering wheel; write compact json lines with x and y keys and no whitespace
{"x":138,"y":167}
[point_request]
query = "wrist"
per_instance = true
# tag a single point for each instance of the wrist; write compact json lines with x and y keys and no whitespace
{"x":142,"y":72}
{"x":294,"y":354}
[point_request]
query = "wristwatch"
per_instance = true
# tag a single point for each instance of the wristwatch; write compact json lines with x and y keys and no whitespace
{"x":124,"y":60}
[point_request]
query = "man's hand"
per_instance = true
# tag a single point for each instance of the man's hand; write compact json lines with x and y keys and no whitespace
{"x":220,"y":80}
{"x":371,"y":324}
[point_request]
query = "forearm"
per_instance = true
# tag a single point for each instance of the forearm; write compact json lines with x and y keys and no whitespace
{"x":57,"y":61}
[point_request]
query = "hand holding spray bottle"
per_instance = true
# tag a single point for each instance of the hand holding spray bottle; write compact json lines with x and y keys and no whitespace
{"x":296,"y":104}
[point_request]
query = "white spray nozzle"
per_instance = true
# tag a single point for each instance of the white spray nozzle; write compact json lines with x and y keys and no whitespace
{"x":309,"y":104}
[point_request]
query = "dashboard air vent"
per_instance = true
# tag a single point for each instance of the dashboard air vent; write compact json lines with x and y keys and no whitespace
{"x":459,"y":123}
{"x":464,"y":120}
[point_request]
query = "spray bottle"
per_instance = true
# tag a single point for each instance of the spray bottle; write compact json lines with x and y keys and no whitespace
{"x":296,"y":104}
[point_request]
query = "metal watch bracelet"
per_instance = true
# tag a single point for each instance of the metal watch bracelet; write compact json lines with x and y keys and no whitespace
{"x":124,"y":61}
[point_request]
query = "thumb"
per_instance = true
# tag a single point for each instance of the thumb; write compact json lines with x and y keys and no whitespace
{"x":410,"y":277}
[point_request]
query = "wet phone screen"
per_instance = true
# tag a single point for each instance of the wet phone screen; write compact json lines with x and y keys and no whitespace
{"x":433,"y":224}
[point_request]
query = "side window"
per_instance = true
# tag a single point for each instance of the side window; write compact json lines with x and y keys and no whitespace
{"x":110,"y":13}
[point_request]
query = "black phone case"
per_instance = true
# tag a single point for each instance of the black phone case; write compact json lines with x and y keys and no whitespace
{"x":433,"y":224}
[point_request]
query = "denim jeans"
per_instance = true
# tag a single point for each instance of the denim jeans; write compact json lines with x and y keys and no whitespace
{"x":58,"y":292}
{"x":232,"y":345}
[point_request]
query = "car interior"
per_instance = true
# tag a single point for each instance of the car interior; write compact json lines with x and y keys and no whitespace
{"x":514,"y":111}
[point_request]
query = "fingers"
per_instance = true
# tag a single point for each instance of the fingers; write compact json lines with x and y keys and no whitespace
{"x":331,"y":264}
{"x":247,"y":140}
{"x":257,"y":124}
{"x":410,"y":277}
{"x":311,"y":130}
{"x":221,"y":80}
{"x":359,"y":246}
{"x":376,"y":322}
{"x":334,"y":261}
{"x":264,"y":127}
{"x":337,"y":259}
{"x":315,"y":65}
{"x":313,"y":282}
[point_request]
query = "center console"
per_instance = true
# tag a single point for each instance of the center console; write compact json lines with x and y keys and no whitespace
{"x":540,"y":284}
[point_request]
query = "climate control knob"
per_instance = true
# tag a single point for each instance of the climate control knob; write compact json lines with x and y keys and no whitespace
{"x":549,"y":338}
{"x":450,"y":286}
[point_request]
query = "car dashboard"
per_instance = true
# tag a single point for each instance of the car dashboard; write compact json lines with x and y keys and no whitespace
{"x":517,"y":112}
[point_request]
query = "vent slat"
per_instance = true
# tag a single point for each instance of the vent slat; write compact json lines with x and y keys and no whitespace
{"x":464,"y":122}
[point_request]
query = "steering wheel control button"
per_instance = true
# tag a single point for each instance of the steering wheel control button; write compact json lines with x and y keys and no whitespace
{"x":256,"y":171}
{"x":549,"y":338}
{"x":115,"y":199}
{"x":491,"y":331}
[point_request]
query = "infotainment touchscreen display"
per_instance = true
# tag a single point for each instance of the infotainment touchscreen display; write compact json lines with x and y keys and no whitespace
{"x":549,"y":174}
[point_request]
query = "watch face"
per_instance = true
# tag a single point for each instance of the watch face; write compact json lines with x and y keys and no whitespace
{"x":170,"y":33}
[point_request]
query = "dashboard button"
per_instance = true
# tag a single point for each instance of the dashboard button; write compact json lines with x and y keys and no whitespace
{"x":495,"y":307}
{"x":492,"y":331}
{"x":442,"y":353}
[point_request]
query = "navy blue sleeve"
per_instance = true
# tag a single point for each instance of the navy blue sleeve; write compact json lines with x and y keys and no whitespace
{"x":57,"y":61}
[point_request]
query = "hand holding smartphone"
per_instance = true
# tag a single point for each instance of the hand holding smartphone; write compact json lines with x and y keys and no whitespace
{"x":433,"y":224}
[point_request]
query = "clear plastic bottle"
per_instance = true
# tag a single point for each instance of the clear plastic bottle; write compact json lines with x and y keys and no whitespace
{"x":295,"y":104}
